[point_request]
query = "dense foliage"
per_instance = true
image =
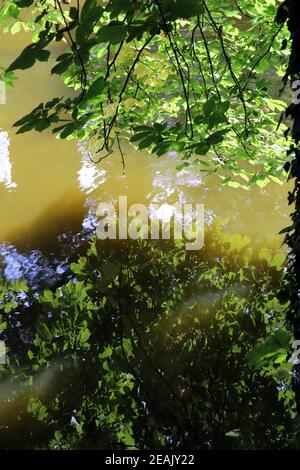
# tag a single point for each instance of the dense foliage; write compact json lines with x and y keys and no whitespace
{"x":185,"y":75}
{"x":148,"y":347}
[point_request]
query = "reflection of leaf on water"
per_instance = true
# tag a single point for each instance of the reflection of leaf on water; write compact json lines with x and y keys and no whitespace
{"x":135,"y":350}
{"x":275,"y":347}
{"x":233,"y":433}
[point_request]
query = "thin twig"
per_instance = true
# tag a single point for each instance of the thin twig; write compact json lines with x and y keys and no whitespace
{"x":76,"y":52}
{"x":212,"y":72}
{"x":228,"y":61}
{"x":121,"y":153}
{"x":176,"y":55}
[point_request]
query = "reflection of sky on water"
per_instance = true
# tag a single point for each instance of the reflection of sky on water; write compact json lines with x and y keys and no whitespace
{"x":171,"y":181}
{"x":168,"y":184}
{"x":168,"y":187}
{"x":90,"y":176}
{"x":45,"y":269}
{"x":39,"y":268}
{"x":31,"y":266}
{"x":5,"y":163}
{"x":175,"y":179}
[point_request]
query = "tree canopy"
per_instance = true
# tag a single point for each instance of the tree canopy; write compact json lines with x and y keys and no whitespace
{"x":189,"y":76}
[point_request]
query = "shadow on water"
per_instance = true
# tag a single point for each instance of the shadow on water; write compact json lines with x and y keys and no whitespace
{"x":42,"y":250}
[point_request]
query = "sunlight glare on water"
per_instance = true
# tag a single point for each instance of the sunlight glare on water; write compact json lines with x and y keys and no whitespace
{"x":5,"y":163}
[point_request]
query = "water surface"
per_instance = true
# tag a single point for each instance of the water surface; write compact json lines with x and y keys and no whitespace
{"x":49,"y":188}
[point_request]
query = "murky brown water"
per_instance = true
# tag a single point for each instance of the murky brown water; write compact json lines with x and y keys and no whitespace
{"x":47,"y":186}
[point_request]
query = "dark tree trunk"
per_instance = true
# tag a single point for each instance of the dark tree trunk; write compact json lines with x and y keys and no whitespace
{"x":289,"y":12}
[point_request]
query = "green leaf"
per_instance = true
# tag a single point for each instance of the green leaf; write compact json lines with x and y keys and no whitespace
{"x":9,"y":10}
{"x":73,"y":12}
{"x":209,"y":107}
{"x":42,"y":124}
{"x":113,"y":33}
{"x":30,"y":354}
{"x":23,"y":3}
{"x":66,"y":129}
{"x":27,"y":127}
{"x":84,"y":336}
{"x":106,"y":353}
{"x":90,"y":11}
{"x":140,"y":136}
{"x":25,"y":60}
{"x":26,"y":119}
{"x":163,"y":148}
{"x":63,"y":65}
{"x":95,"y":90}
{"x":183,"y":8}
{"x":215,"y":138}
{"x":274,"y":345}
{"x":202,"y":148}
{"x":147,"y":142}
{"x":43,"y":55}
